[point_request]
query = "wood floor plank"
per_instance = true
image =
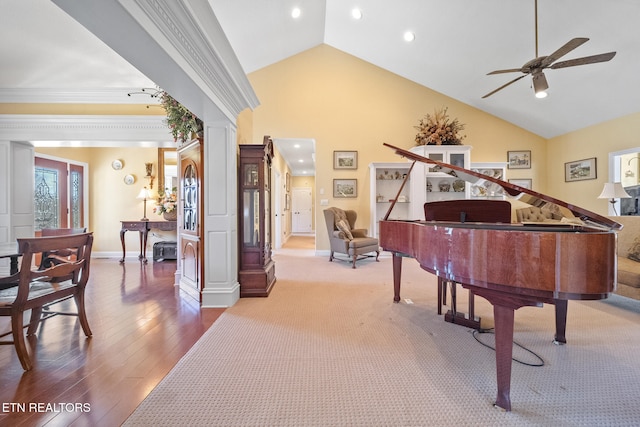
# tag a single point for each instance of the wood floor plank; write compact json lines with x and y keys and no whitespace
{"x":142,"y":325}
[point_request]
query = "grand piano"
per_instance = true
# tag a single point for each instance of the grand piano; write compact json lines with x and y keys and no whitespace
{"x":510,"y":264}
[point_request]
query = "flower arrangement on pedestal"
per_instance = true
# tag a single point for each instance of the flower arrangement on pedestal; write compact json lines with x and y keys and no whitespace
{"x":167,"y":202}
{"x":182,"y":122}
{"x":439,"y":129}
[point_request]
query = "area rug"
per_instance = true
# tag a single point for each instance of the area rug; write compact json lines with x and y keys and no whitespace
{"x":328,"y":347}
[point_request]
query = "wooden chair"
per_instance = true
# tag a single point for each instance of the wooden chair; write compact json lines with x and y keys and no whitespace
{"x":61,"y":256}
{"x":37,"y":288}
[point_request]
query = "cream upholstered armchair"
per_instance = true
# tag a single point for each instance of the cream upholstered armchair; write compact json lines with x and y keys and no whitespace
{"x":345,"y":238}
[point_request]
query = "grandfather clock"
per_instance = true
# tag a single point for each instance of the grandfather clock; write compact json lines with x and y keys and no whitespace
{"x":256,"y":268}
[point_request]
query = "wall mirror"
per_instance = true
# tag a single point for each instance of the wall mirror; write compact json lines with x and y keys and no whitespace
{"x":167,"y":169}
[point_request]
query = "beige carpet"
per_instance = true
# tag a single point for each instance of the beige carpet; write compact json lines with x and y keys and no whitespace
{"x":329,"y":348}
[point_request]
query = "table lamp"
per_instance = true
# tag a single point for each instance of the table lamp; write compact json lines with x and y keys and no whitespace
{"x":613,"y":191}
{"x":144,"y":194}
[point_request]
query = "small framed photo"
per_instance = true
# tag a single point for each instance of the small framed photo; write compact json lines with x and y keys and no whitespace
{"x":345,"y":160}
{"x":287,"y":202}
{"x":287,"y":182}
{"x":524,"y":183}
{"x":580,"y":170}
{"x":519,"y":159}
{"x":343,"y":188}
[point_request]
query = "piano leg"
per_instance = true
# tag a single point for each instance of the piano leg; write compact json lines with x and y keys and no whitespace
{"x":397,"y":274}
{"x":504,"y":353}
{"x":442,"y":289}
{"x":561,"y":321}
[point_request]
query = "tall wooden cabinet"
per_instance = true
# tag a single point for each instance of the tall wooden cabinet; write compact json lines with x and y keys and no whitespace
{"x":256,"y":272}
{"x":190,"y":231}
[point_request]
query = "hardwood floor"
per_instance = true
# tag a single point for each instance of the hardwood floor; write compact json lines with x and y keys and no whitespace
{"x":142,"y":325}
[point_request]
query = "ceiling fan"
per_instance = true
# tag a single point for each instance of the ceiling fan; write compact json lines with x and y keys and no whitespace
{"x":536,"y":66}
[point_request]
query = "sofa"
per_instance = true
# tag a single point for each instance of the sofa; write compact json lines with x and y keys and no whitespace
{"x":628,"y":256}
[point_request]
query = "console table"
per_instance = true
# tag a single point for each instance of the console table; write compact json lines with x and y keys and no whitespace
{"x":143,"y":227}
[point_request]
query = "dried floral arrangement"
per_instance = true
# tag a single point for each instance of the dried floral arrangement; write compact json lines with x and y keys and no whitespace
{"x":439,"y":129}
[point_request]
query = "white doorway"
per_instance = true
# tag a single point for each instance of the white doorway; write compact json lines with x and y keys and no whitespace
{"x":301,"y":210}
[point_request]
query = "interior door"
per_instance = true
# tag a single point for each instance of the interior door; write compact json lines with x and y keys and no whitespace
{"x":301,"y":210}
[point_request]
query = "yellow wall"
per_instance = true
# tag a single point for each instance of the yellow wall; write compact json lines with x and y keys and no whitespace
{"x":344,"y":103}
{"x":110,"y":199}
{"x":594,"y":141}
{"x":82,"y":109}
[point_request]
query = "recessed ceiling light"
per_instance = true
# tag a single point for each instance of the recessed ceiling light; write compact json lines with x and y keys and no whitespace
{"x":301,"y":161}
{"x":296,"y":12}
{"x":356,"y":13}
{"x":409,"y":36}
{"x":296,"y":146}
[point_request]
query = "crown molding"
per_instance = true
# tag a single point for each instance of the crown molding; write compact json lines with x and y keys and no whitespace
{"x":194,"y":33}
{"x":76,"y":96}
{"x":86,"y":131}
{"x":178,"y":44}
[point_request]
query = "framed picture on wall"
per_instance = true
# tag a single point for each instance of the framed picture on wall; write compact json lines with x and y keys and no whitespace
{"x":519,"y":159}
{"x":345,"y":160}
{"x":343,"y":188}
{"x":580,"y":170}
{"x":524,"y":183}
{"x":287,"y":183}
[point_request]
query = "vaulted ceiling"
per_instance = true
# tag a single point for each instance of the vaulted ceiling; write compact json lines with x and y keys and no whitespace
{"x":457,"y":42}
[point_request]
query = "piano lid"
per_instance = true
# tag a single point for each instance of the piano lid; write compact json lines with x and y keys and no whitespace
{"x":565,"y":212}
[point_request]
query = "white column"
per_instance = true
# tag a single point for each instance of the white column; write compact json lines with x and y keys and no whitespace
{"x":220,"y":283}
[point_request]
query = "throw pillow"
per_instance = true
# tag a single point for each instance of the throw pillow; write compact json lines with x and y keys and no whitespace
{"x":343,"y":226}
{"x":634,"y":250}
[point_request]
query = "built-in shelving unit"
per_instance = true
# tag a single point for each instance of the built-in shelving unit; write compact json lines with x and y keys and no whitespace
{"x":433,"y":183}
{"x":386,"y":180}
{"x":488,"y":189}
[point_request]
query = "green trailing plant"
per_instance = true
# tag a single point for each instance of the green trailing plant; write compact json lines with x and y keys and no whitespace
{"x":182,"y":122}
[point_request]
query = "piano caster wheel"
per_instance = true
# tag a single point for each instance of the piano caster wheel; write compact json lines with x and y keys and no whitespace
{"x":495,"y":405}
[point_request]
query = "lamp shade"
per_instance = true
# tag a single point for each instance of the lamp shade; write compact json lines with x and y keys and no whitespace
{"x":613,"y":190}
{"x":144,"y":194}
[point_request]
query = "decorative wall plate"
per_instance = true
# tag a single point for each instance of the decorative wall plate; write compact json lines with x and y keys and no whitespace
{"x":117,"y":164}
{"x":129,"y":179}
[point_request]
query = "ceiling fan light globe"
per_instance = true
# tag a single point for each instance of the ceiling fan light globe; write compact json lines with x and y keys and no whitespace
{"x":540,"y":85}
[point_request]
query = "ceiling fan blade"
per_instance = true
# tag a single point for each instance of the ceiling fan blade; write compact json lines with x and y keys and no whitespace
{"x":568,"y":47}
{"x":503,"y":86}
{"x":510,"y":70}
{"x":603,"y":57}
